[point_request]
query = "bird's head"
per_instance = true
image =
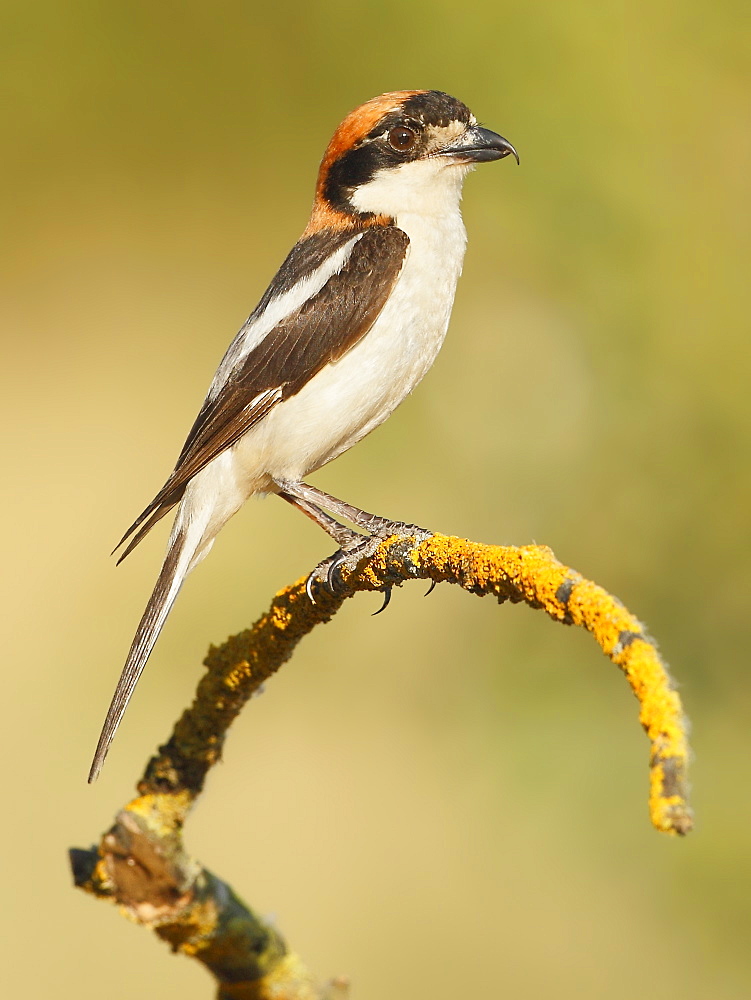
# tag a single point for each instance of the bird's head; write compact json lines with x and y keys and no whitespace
{"x":406,"y":151}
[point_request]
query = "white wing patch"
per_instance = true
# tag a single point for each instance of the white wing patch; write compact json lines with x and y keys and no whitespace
{"x":278,"y":309}
{"x":265,"y":400}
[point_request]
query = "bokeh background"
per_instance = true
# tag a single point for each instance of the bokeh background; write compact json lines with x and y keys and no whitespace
{"x":448,"y":800}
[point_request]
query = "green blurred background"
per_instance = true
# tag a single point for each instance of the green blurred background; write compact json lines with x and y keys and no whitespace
{"x":448,"y":800}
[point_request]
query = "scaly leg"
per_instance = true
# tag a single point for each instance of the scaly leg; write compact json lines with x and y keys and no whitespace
{"x":342,"y":535}
{"x":346,"y":538}
{"x":310,"y":500}
{"x":371,"y":523}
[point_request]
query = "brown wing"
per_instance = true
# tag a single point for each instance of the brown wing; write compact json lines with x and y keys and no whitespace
{"x":324,"y":328}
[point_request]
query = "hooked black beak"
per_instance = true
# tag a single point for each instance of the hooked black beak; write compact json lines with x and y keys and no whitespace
{"x":480,"y":145}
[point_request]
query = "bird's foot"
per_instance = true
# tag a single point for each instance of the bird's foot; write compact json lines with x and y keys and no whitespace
{"x":328,"y":574}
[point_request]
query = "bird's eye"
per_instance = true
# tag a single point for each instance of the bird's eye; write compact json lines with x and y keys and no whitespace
{"x":402,"y":138}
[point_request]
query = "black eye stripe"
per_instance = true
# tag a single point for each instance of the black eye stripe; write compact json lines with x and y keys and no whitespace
{"x":373,"y":152}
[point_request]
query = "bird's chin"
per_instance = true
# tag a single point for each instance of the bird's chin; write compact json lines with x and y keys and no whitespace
{"x":454,"y":160}
{"x":466,"y":163}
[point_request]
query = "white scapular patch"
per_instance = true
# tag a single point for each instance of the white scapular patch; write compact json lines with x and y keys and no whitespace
{"x":278,"y":309}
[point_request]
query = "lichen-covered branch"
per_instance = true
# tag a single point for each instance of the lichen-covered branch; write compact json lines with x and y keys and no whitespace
{"x":141,"y":863}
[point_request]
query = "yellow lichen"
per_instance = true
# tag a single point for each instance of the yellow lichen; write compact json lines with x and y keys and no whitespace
{"x":533,"y":574}
{"x":201,"y":916}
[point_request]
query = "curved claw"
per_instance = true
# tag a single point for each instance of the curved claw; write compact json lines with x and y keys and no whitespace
{"x":430,"y":590}
{"x":309,"y":589}
{"x":332,"y":580}
{"x":386,"y":599}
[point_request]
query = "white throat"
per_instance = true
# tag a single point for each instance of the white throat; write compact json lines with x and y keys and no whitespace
{"x":429,"y":187}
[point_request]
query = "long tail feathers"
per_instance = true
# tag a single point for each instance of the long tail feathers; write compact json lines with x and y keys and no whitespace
{"x":179,"y":560}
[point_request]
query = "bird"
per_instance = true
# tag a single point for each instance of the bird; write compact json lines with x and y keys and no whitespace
{"x":351,"y":322}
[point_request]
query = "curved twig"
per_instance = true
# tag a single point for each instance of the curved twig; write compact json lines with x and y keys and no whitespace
{"x":141,"y":864}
